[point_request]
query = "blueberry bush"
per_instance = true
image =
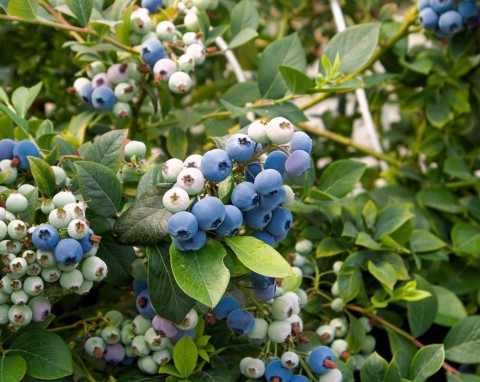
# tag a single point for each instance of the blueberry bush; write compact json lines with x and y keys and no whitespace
{"x":219,"y":190}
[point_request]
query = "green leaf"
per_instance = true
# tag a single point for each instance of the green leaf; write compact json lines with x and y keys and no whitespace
{"x":28,"y":216}
{"x":356,"y":334}
{"x":244,"y":15}
{"x":450,"y":309}
{"x":25,"y":9}
{"x":150,"y":179}
{"x":438,"y":110}
{"x":118,"y":258}
{"x":22,"y":98}
{"x":82,"y":9}
{"x":374,"y":369}
{"x":462,"y":343}
{"x":107,"y":150}
{"x":100,"y":187}
{"x":421,"y":314}
{"x":427,"y":362}
{"x":354,"y":46}
{"x":390,"y":219}
{"x":440,"y":199}
{"x":463,"y":378}
{"x":145,"y":222}
{"x":425,"y":241}
{"x":258,"y":256}
{"x":185,"y":355}
{"x":365,"y":240}
{"x":177,"y":143}
{"x":225,"y":188}
{"x":383,"y":272}
{"x":201,"y":274}
{"x":43,"y":175}
{"x":78,"y":125}
{"x":168,"y":300}
{"x":217,"y":374}
{"x":288,"y":51}
{"x":46,"y":354}
{"x":369,"y":214}
{"x":241,"y":38}
{"x":3,"y":96}
{"x":12,"y":368}
{"x":298,"y":82}
{"x":340,"y":177}
{"x":466,"y":239}
{"x":349,"y":285}
{"x":241,"y":93}
{"x":330,"y":247}
{"x":19,"y":121}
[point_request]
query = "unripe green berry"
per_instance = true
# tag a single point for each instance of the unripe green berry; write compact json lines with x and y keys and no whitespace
{"x":155,"y":341}
{"x":140,"y":346}
{"x":45,"y":258}
{"x":50,"y":275}
{"x":17,"y":230}
{"x":95,"y":346}
{"x":260,"y":329}
{"x":4,"y":314}
{"x":110,"y":334}
{"x":337,"y":304}
{"x":71,"y":280}
{"x":115,"y":317}
{"x":147,"y":365}
{"x":16,"y":203}
{"x":33,"y":285}
{"x":190,"y":321}
{"x":141,"y":325}
{"x":77,"y":229}
{"x":59,"y":218}
{"x":63,"y":198}
{"x":19,"y":297}
{"x":84,"y":288}
{"x":279,"y":331}
{"x":20,"y":315}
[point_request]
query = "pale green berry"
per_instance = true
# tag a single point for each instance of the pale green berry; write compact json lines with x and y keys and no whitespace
{"x":279,"y":331}
{"x":190,"y":38}
{"x":75,"y":210}
{"x":16,"y":203}
{"x":26,"y":188}
{"x":62,"y":198}
{"x":297,"y":259}
{"x":212,"y":4}
{"x":77,"y":229}
{"x":124,"y":92}
{"x":115,"y":317}
{"x":191,"y":21}
{"x":4,"y":298}
{"x":33,"y":269}
{"x":17,"y":284}
{"x":3,"y":212}
{"x":122,"y":110}
{"x":281,"y":309}
{"x":60,"y":176}
{"x":139,"y":269}
{"x":6,"y":285}
{"x":358,"y":360}
{"x":294,"y":300}
{"x":252,"y":367}
{"x":166,"y":30}
{"x":162,"y":357}
{"x":337,"y":304}
{"x":7,"y":258}
{"x":366,"y":323}
{"x":141,"y":325}
{"x":260,"y":329}
{"x":155,"y":341}
{"x":127,"y":323}
{"x":147,"y":365}
{"x":326,"y":332}
{"x":19,"y":297}
{"x":171,"y":169}
{"x":45,"y":258}
{"x":303,"y":296}
{"x":9,"y":216}
{"x":337,"y":266}
{"x":296,"y":321}
{"x":339,"y":347}
{"x":6,"y":167}
{"x":84,"y":288}
{"x":334,"y":289}
{"x":340,"y":327}
{"x":176,"y":199}
{"x":129,"y":351}
{"x":17,"y":230}
{"x":134,"y":148}
{"x":257,"y":130}
{"x":59,"y":218}
{"x":141,"y":23}
{"x":67,"y":268}
{"x":94,"y":269}
{"x":135,"y":39}
{"x":110,"y":334}
{"x":332,"y":375}
{"x":368,"y":345}
{"x":127,"y":335}
{"x":3,"y":230}
{"x":198,"y":52}
{"x":18,"y":267}
{"x":20,"y":315}
{"x":95,"y":346}
{"x":140,"y":346}
{"x":29,"y":256}
{"x":290,"y":359}
{"x":33,"y":285}
{"x":133,"y":72}
{"x":4,"y":314}
{"x":304,"y":246}
{"x":50,"y":275}
{"x":71,"y":280}
{"x":47,"y":207}
{"x":186,"y":63}
{"x":201,"y":4}
{"x":190,"y":321}
{"x":95,"y":68}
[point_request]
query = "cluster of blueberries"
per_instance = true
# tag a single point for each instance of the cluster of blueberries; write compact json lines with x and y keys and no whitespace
{"x":167,"y":54}
{"x":36,"y":257}
{"x":259,"y":201}
{"x":447,"y":18}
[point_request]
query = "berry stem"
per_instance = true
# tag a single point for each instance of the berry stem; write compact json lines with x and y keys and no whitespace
{"x":62,"y":20}
{"x":448,"y":368}
{"x":307,"y":369}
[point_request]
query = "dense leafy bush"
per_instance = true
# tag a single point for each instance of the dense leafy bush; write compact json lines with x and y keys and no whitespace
{"x":159,"y":148}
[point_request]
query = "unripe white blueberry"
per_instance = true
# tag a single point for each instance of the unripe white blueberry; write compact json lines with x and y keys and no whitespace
{"x":340,"y":327}
{"x":60,"y":176}
{"x":94,"y":269}
{"x":252,"y":367}
{"x":161,"y":357}
{"x":257,"y":130}
{"x":18,"y":267}
{"x":163,"y":69}
{"x":140,"y":346}
{"x":141,"y":22}
{"x":77,"y":229}
{"x":75,"y":210}
{"x":63,"y":198}
{"x":47,"y":207}
{"x":171,"y":168}
{"x":326,"y":332}
{"x":337,"y":266}
{"x":155,"y":341}
{"x":190,"y":38}
{"x":6,"y":257}
{"x":180,"y":82}
{"x":334,"y":289}
{"x":280,"y":130}
{"x":124,"y":92}
{"x":16,"y":202}
{"x":176,"y":199}
{"x":84,"y":288}
{"x":26,"y":188}
{"x":79,"y":83}
{"x":45,"y":258}
{"x":4,"y":298}
{"x":20,"y":315}
{"x":33,"y":269}
{"x":332,"y":375}
{"x":149,"y":35}
{"x":141,"y":325}
{"x":365,"y":321}
{"x":191,"y":180}
{"x":95,"y":346}
{"x":304,"y":246}
{"x":3,"y":230}
{"x":147,"y":365}
{"x":193,"y":161}
{"x":368,"y":345}
{"x":9,"y":216}
{"x":3,"y":213}
{"x":71,"y":280}
{"x":19,"y":297}
{"x":303,"y":297}
{"x":297,"y":259}
{"x":260,"y":329}
{"x":337,"y":305}
{"x":33,"y":285}
{"x":94,"y":68}
{"x":12,"y":172}
{"x":6,"y":285}
{"x":295,"y":320}
{"x":29,"y":256}
{"x":294,"y":301}
{"x":122,"y":110}
{"x":135,"y":39}
{"x":67,"y":268}
{"x":4,"y":314}
{"x":59,"y":218}
{"x":290,"y":359}
{"x":198,"y":52}
{"x":281,"y":309}
{"x":279,"y":331}
{"x":339,"y":346}
{"x":110,"y":334}
{"x":191,"y":21}
{"x":190,"y":321}
{"x":50,"y":275}
{"x":186,"y":63}
{"x":165,"y":30}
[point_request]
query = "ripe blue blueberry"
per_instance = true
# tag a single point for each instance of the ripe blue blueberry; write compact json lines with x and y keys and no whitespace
{"x":151,"y":51}
{"x":240,"y":321}
{"x":68,"y":252}
{"x":251,"y":171}
{"x":181,"y":333}
{"x":300,"y":141}
{"x":182,"y":225}
{"x":266,"y":294}
{"x":428,"y":18}
{"x":321,"y":359}
{"x":6,"y":149}
{"x":45,"y":237}
{"x":22,"y":150}
{"x":139,"y":285}
{"x":469,"y":12}
{"x":299,"y":378}
{"x":423,"y":4}
{"x":240,"y":147}
{"x":441,"y":6}
{"x":264,"y":236}
{"x":210,"y":213}
{"x":276,"y":372}
{"x":103,"y":98}
{"x":258,"y":218}
{"x":152,"y":5}
{"x":272,"y":202}
{"x":261,"y":282}
{"x":450,"y":22}
{"x":232,"y":223}
{"x":144,"y":305}
{"x":225,"y":306}
{"x":216,"y":165}
{"x":86,"y":243}
{"x":193,"y":244}
{"x":268,"y":182}
{"x":276,"y":161}
{"x":281,"y":222}
{"x":297,"y":163}
{"x":244,"y":196}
